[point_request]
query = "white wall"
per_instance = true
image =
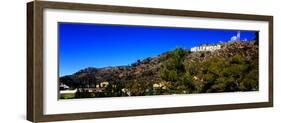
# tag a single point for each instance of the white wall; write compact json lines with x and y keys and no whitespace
{"x":13,"y":61}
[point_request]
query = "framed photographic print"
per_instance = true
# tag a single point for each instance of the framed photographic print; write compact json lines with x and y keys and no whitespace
{"x":96,"y":61}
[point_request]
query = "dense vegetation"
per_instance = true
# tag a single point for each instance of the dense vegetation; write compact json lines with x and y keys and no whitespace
{"x":230,"y":69}
{"x":217,"y":74}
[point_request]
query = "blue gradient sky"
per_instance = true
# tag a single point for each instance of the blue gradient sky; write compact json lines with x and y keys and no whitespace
{"x":99,"y":45}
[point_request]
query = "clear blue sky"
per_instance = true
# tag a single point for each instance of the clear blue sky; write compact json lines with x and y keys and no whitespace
{"x":99,"y":45}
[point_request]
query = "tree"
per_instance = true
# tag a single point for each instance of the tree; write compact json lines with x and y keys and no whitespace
{"x":250,"y":82}
{"x":81,"y":93}
{"x":67,"y":80}
{"x":175,"y":70}
{"x":227,"y":75}
{"x":173,"y":67}
{"x":109,"y":90}
{"x":188,"y":83}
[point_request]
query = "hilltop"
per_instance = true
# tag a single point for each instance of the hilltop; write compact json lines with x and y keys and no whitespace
{"x":234,"y":67}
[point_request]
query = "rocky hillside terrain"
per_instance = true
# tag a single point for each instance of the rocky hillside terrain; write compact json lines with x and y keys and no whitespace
{"x":181,"y":71}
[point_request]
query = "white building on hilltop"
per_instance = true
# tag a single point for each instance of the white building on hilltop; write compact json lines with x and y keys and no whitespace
{"x":236,"y":38}
{"x":206,"y":48}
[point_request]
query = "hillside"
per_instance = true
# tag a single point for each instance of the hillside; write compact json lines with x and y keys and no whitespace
{"x":234,"y":67}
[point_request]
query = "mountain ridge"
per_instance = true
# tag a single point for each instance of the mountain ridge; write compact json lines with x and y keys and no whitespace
{"x":150,"y":70}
